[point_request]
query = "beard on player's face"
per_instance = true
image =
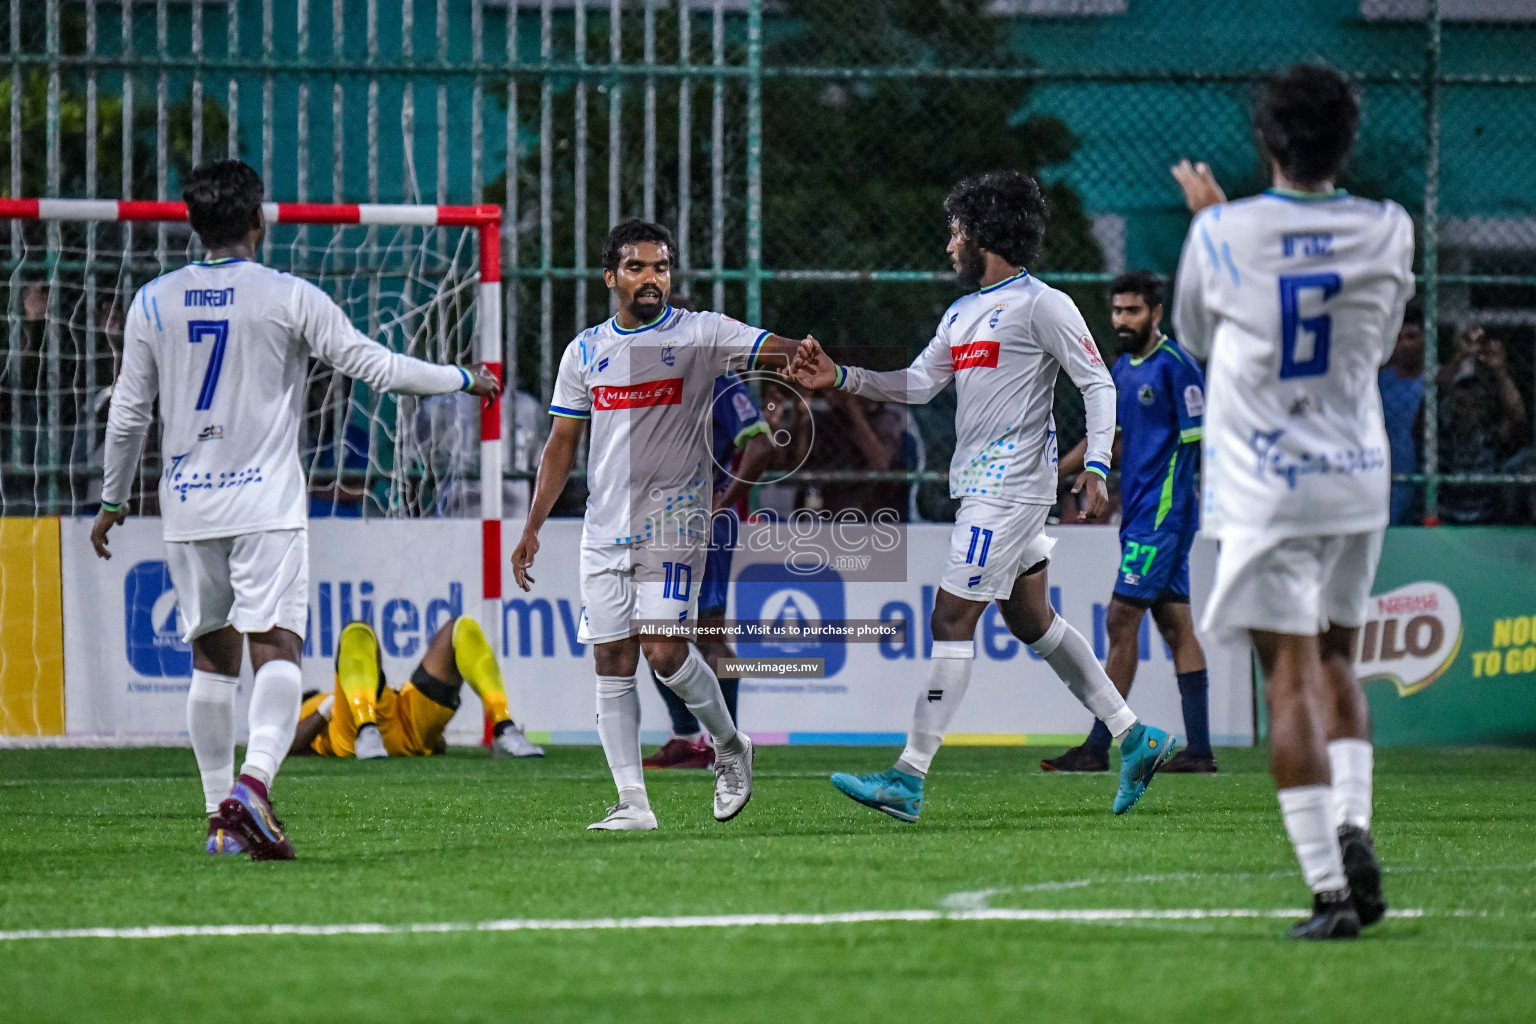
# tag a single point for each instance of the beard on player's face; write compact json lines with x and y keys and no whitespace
{"x":1133,"y":339}
{"x":647,"y":302}
{"x":970,"y":265}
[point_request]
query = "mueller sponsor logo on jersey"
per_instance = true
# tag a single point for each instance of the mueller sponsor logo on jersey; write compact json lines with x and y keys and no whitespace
{"x":209,"y":297}
{"x":975,"y":355}
{"x":639,"y":396}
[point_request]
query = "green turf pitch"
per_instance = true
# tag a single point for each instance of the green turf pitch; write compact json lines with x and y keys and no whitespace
{"x":112,"y":839}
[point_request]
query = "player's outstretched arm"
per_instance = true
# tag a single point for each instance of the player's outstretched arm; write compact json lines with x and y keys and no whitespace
{"x":915,"y":385}
{"x":333,"y":338}
{"x":554,"y":470}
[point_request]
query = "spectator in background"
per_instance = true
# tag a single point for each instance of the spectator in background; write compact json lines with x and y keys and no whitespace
{"x":787,"y":414}
{"x":54,"y":386}
{"x":1401,"y":383}
{"x":336,"y":467}
{"x":448,"y":430}
{"x":859,"y":434}
{"x":1482,"y":423}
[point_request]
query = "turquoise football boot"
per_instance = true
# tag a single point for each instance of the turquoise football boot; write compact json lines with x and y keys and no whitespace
{"x":1143,"y":751}
{"x":896,"y":793}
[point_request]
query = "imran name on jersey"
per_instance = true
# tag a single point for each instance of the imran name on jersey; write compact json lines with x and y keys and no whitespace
{"x":638,"y":396}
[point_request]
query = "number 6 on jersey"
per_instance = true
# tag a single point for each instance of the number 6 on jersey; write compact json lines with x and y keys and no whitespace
{"x":1292,"y":324}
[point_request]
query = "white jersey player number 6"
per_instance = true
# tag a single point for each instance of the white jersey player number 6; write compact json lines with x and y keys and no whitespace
{"x":1312,"y":360}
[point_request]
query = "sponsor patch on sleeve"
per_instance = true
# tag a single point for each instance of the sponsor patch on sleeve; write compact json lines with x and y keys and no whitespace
{"x":1194,"y":400}
{"x":1093,"y":351}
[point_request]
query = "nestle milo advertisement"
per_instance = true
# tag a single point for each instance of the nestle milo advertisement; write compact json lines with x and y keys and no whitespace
{"x":1448,"y":651}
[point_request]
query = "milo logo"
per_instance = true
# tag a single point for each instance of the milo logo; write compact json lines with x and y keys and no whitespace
{"x":1411,"y":636}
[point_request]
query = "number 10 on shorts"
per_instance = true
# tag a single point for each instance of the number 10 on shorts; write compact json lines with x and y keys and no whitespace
{"x":678,"y":580}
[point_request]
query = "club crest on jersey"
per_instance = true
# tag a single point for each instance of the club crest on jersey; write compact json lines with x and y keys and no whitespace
{"x":1146,"y":394}
{"x":997,"y":314}
{"x":975,"y":355}
{"x":668,"y":356}
{"x":1092,"y":350}
{"x":639,"y":396}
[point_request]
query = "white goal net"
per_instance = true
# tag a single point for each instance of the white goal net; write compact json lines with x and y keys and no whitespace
{"x":423,"y":280}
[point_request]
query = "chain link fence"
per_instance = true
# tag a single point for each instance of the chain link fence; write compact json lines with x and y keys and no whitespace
{"x":801,"y":150}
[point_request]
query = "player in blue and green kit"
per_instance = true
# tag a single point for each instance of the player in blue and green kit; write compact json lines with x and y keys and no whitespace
{"x":1161,"y":397}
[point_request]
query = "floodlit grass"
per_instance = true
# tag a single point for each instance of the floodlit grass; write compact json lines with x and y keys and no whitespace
{"x":113,"y":839}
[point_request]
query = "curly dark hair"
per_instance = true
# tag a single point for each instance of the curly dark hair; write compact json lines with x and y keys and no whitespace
{"x":1306,"y":119}
{"x":1139,"y":282}
{"x":223,"y":201}
{"x":628,"y":232}
{"x":1002,"y":212}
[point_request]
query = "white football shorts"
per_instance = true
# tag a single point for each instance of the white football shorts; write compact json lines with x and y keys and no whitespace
{"x":994,"y":543}
{"x":621,"y":583}
{"x":254,"y":582}
{"x":1296,"y":585}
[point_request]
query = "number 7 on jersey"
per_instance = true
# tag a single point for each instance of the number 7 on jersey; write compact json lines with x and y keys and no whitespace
{"x":216,"y":331}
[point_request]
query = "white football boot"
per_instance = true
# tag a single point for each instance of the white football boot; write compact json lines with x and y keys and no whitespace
{"x":733,"y":780}
{"x":369,"y":744}
{"x":622,"y":817}
{"x":512,"y":743}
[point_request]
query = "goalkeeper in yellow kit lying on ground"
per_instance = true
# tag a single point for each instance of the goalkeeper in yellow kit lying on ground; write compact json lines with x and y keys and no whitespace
{"x":365,"y":718}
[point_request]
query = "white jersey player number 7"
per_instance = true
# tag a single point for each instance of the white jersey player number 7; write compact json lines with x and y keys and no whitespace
{"x":225,"y":345}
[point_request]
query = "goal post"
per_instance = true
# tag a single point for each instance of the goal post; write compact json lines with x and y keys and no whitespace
{"x":423,"y":279}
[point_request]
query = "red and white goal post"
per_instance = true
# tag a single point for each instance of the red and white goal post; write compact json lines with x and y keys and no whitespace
{"x":467,"y":270}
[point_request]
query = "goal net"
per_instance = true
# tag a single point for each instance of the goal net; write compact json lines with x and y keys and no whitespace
{"x":422,"y":280}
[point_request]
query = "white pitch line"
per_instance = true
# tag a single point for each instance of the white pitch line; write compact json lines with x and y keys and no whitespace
{"x":978,"y":899}
{"x":626,"y":923}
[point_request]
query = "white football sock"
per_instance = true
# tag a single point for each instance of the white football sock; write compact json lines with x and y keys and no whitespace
{"x":618,"y":727}
{"x":949,"y":675}
{"x":1309,"y":818}
{"x":1070,"y":657}
{"x":211,"y":725}
{"x":696,"y":684}
{"x":1351,"y":762}
{"x":275,"y":700}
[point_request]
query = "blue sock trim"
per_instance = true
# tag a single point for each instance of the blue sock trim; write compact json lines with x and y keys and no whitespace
{"x":1099,"y":739}
{"x":1193,"y":689}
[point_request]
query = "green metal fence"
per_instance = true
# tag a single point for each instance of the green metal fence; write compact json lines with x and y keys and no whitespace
{"x":801,"y":149}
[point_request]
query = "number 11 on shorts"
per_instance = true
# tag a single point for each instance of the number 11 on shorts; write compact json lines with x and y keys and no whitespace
{"x":984,"y":538}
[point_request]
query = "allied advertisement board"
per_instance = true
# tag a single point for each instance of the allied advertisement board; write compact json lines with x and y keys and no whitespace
{"x":127,"y":670}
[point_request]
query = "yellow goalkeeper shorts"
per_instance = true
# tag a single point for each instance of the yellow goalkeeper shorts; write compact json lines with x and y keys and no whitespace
{"x":410,"y":724}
